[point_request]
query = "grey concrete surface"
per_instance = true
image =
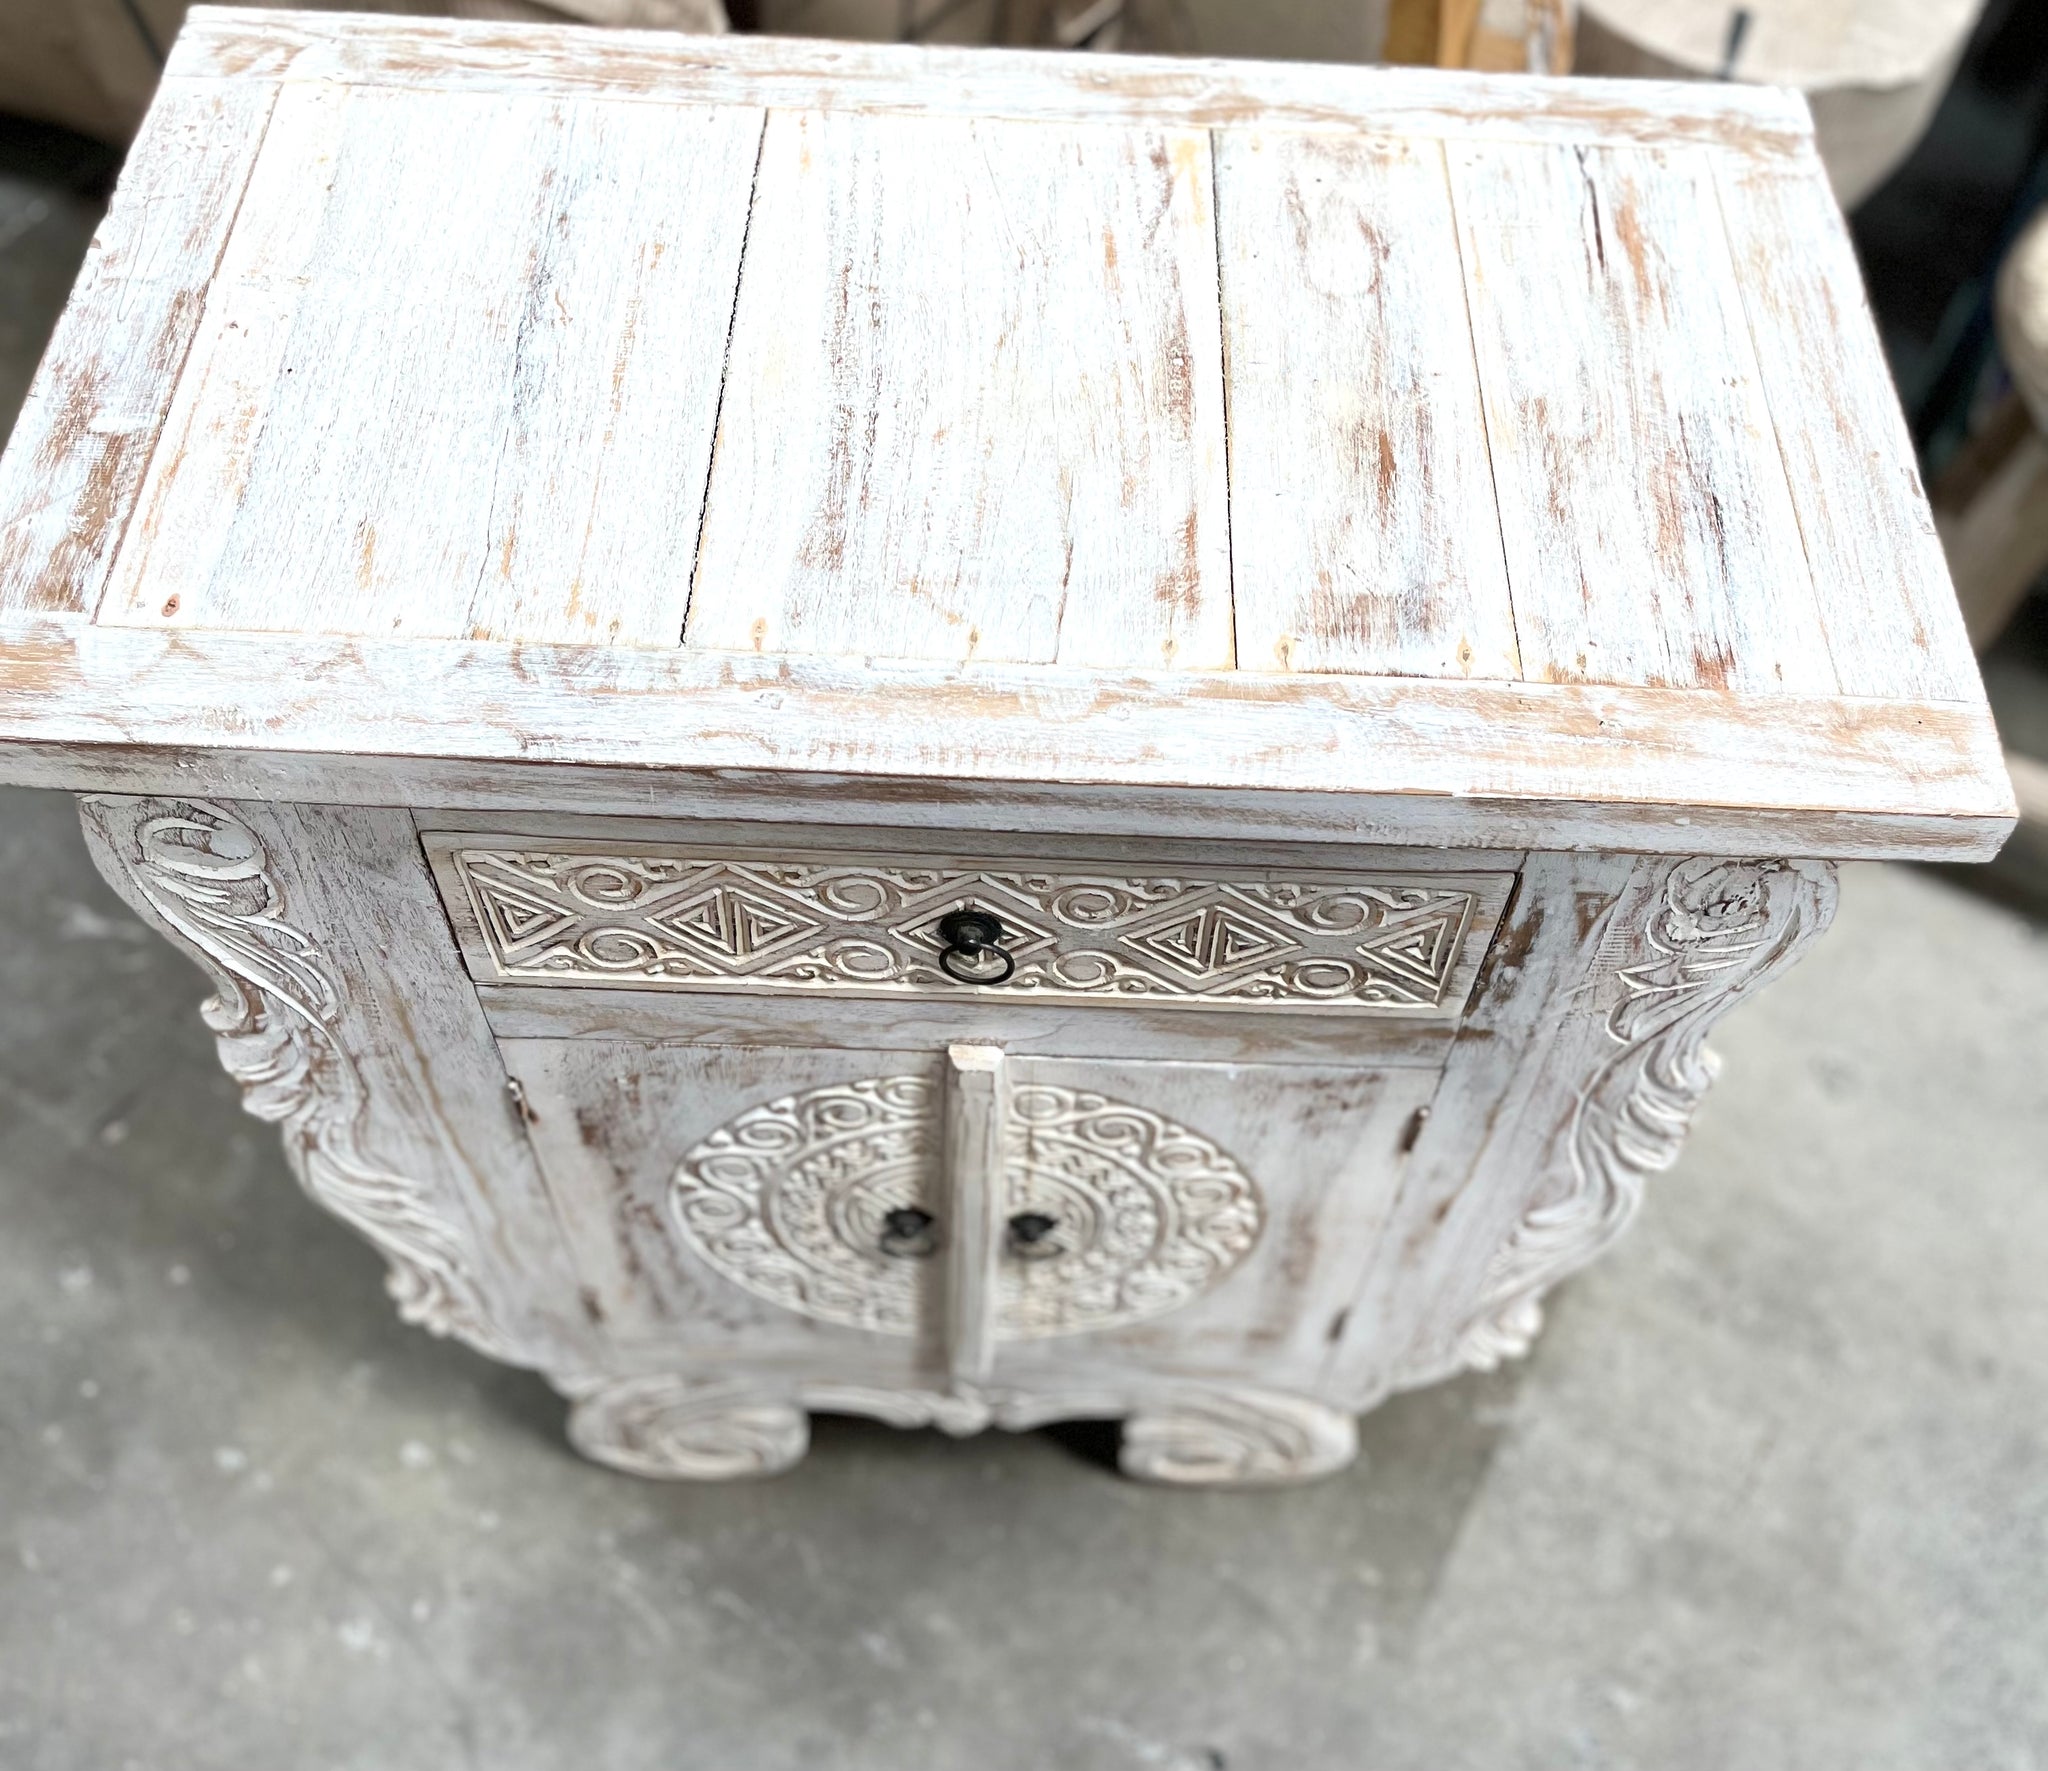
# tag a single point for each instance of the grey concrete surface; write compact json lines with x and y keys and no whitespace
{"x":1771,"y":1493}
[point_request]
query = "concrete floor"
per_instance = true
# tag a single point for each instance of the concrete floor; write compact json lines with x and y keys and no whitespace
{"x":1771,"y":1492}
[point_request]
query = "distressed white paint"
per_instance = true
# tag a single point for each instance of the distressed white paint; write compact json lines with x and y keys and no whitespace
{"x":1892,"y":625}
{"x":456,"y":376}
{"x":974,"y":408}
{"x":1650,"y":536}
{"x":83,"y":437}
{"x":449,"y":55}
{"x":1413,"y":760}
{"x":960,"y":361}
{"x":1518,"y":386}
{"x":1362,"y":511}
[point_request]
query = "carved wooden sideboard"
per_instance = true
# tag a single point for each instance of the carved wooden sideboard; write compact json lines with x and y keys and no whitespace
{"x":963,"y":736}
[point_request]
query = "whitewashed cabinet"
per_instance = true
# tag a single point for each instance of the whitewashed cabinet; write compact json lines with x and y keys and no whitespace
{"x":562,"y":566}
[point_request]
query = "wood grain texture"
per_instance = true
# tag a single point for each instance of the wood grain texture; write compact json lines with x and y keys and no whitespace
{"x":809,"y":74}
{"x":792,"y":917}
{"x":974,"y":408}
{"x":1650,"y":535}
{"x":1650,"y":532}
{"x":83,"y":437}
{"x":1362,"y":508}
{"x":1890,"y":615}
{"x":1110,"y":845}
{"x":457,"y":374}
{"x":1459,"y":762}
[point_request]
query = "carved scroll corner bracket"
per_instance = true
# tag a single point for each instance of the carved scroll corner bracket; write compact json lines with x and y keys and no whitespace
{"x":1708,"y":931}
{"x":203,"y":876}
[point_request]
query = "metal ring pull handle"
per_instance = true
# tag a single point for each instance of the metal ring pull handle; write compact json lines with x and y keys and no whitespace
{"x":973,"y":946}
{"x":909,"y":1233}
{"x":1031,"y":1236}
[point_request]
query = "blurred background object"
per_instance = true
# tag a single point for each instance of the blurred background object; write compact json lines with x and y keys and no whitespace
{"x":1992,"y":504}
{"x":1492,"y":36}
{"x":91,"y":65}
{"x":1873,"y":70}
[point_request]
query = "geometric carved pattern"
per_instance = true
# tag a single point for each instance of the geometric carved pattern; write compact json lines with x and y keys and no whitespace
{"x":1715,"y":931}
{"x":671,"y":919}
{"x":206,"y":877}
{"x":788,"y":1200}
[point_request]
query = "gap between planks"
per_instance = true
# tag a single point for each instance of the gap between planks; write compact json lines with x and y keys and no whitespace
{"x":732,"y":319}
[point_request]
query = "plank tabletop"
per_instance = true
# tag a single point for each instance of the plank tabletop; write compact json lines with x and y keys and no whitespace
{"x":922,"y":363}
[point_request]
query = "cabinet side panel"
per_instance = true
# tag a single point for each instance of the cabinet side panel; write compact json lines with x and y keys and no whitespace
{"x":342,"y":1009}
{"x":1542,"y":1155}
{"x":457,"y":377}
{"x":1492,"y":1120}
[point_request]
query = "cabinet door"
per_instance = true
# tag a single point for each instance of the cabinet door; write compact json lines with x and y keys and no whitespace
{"x":770,"y":1206}
{"x":959,"y":1219}
{"x":1201,"y":1220}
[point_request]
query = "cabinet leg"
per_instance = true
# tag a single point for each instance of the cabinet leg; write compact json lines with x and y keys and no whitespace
{"x":1236,"y":1439}
{"x":685,"y":1429}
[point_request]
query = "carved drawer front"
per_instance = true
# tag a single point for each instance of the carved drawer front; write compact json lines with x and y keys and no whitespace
{"x":952,"y":1210}
{"x":551,"y":913}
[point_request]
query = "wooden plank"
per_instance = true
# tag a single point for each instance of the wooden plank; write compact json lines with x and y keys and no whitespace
{"x":483,"y":413}
{"x":1650,"y":535}
{"x":1428,"y":819}
{"x":811,"y":74}
{"x":1890,"y":615}
{"x":83,"y":437}
{"x":1435,"y":761}
{"x":1362,"y":510}
{"x":974,"y":408}
{"x":976,"y":1129}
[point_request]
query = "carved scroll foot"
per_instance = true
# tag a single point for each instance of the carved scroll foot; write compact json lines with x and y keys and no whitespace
{"x":1237,"y":1439}
{"x":685,"y":1429}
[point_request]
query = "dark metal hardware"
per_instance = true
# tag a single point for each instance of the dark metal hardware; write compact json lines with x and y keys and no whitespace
{"x":1030,"y":1235}
{"x":973,"y":947}
{"x":909,"y":1233}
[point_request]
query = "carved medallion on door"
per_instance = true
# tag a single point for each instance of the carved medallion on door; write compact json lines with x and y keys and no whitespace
{"x":832,"y":1203}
